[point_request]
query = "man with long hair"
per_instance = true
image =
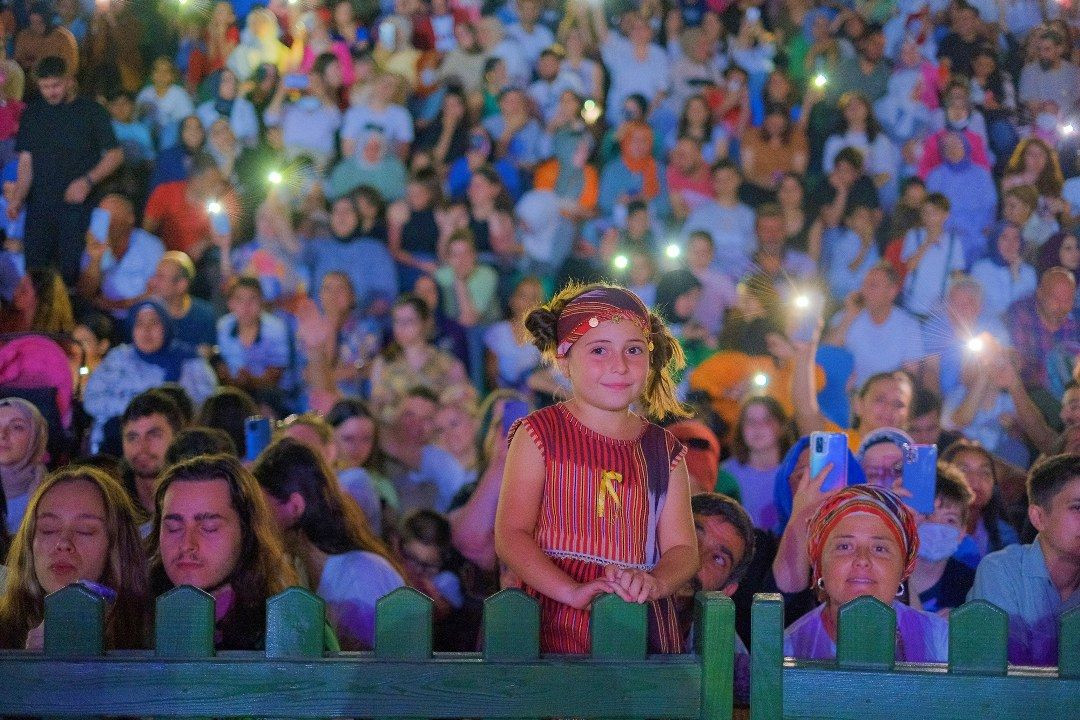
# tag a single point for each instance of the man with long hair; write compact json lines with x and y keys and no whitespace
{"x":215,"y":532}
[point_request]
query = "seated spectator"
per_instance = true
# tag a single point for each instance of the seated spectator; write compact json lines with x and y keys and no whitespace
{"x":846,"y":185}
{"x":1035,"y":584}
{"x":687,"y":176}
{"x":310,"y":123}
{"x":372,"y":164}
{"x":925,"y":426}
{"x":39,"y":302}
{"x":717,"y":288}
{"x":551,"y":82}
{"x":730,"y":222}
{"x":468,"y":289}
{"x":175,"y":162}
{"x":453,"y":453}
{"x":147,"y":427}
{"x":783,"y":264}
{"x":725,"y":540}
{"x":939,"y":581}
{"x":770,"y":151}
{"x":512,"y":359}
{"x":381,"y":113}
{"x":1035,"y":163}
{"x":366,"y":262}
{"x":93,"y":332}
{"x":192,"y":318}
{"x":480,"y":153}
{"x":912,"y":92}
{"x":344,"y":561}
{"x":117,"y":269}
{"x":948,"y":331}
{"x":1020,"y":208}
{"x":988,"y":528}
{"x":993,"y":93}
{"x":253,"y":345}
{"x":272,"y":256}
{"x":133,"y":135}
{"x":859,"y":129}
{"x":851,"y":251}
{"x":196,"y":441}
{"x":696,"y":124}
{"x":213,"y":530}
{"x":227,"y":409}
{"x":1003,"y":275}
{"x":763,"y":435}
{"x":447,"y":137}
{"x":1049,"y":83}
{"x":41,"y":37}
{"x":864,"y":541}
{"x":1040,"y":322}
{"x":152,"y":357}
{"x":429,"y":558}
{"x":880,"y":336}
{"x":633,"y":175}
{"x":80,"y":526}
{"x":931,"y":254}
{"x":179,"y":211}
{"x":164,"y":103}
{"x":359,"y":459}
{"x":971,"y":194}
{"x":227,"y":102}
{"x":411,"y":360}
{"x":410,"y":428}
{"x":1061,"y":250}
{"x":22,"y":457}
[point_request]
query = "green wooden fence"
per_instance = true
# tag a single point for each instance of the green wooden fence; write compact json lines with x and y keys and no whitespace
{"x":402,"y":678}
{"x":865,"y":682}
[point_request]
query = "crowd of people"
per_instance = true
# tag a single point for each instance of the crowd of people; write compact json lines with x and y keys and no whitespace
{"x":361,"y":220}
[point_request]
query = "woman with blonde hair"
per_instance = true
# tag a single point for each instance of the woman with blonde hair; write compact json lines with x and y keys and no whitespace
{"x":1035,"y":163}
{"x":80,"y":526}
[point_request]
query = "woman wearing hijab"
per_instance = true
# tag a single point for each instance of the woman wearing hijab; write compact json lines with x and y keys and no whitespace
{"x":23,"y":437}
{"x":151,"y":358}
{"x":226,"y":102}
{"x":971,"y":192}
{"x":175,"y":163}
{"x":634,"y":174}
{"x":863,"y":540}
{"x":1003,"y":274}
{"x":42,"y":37}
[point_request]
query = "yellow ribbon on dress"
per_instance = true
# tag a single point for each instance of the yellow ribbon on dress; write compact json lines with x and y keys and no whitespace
{"x":607,"y":487}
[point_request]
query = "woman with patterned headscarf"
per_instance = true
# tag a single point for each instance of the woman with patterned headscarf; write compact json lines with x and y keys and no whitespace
{"x":864,"y":541}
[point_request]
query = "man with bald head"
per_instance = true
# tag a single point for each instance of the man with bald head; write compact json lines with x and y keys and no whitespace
{"x":1040,"y":323}
{"x":115,"y":269}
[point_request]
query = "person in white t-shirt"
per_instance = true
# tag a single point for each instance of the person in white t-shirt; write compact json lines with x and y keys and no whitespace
{"x":880,"y":336}
{"x":381,"y":113}
{"x":343,"y":561}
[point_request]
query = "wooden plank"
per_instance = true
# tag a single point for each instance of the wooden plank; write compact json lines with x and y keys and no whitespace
{"x":1069,"y":644}
{"x":74,"y":622}
{"x":184,"y":623}
{"x":767,"y":651}
{"x":619,"y":629}
{"x":403,"y":625}
{"x":715,"y":635}
{"x":352,"y":685}
{"x":978,"y":639}
{"x":821,"y":692}
{"x":511,"y":626}
{"x":866,"y":634}
{"x":295,"y":619}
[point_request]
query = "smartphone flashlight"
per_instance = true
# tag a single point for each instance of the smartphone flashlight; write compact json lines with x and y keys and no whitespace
{"x":801,"y":301}
{"x":590,"y":112}
{"x":1068,"y":128}
{"x":760,"y":380}
{"x":274,"y":177}
{"x":621,"y":262}
{"x":673,"y":250}
{"x":820,"y":80}
{"x":976,"y":345}
{"x":213,"y":207}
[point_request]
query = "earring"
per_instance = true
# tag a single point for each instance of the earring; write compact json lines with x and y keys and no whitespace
{"x":902,"y":590}
{"x":821,"y":583}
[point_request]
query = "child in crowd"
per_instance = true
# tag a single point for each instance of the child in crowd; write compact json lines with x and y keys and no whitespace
{"x":595,"y":498}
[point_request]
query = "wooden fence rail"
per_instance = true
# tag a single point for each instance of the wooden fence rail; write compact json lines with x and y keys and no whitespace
{"x":402,"y":678}
{"x":866,"y":683}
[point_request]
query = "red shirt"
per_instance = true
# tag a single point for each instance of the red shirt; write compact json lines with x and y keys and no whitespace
{"x":182,"y":225}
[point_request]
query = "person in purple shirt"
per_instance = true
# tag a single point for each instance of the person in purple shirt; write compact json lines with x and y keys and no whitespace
{"x":1038,"y":323}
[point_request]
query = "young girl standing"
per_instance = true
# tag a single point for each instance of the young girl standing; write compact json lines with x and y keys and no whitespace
{"x":595,"y":498}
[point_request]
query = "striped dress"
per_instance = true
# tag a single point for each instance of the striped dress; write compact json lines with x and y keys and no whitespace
{"x":601,"y":505}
